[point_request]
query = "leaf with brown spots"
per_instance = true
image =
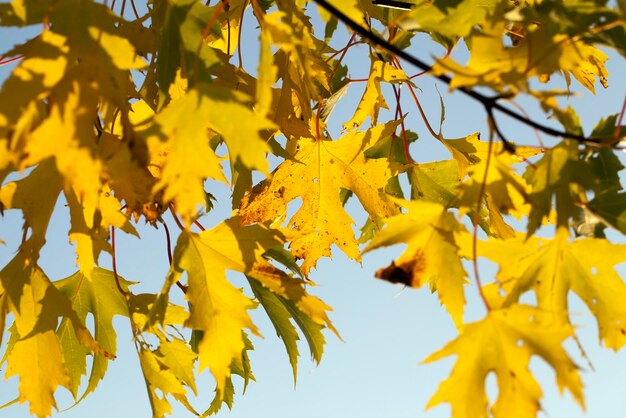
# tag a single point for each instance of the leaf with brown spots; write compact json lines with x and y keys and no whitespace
{"x":432,"y":255}
{"x":316,"y":175}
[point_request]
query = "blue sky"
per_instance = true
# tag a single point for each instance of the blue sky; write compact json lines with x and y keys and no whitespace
{"x":388,"y":330}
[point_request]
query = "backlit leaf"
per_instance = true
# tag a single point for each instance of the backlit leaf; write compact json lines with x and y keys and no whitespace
{"x":318,"y":171}
{"x":503,"y":343}
{"x":432,"y":255}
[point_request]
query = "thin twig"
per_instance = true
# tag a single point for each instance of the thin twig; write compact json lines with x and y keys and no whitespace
{"x":243,"y":10}
{"x":350,"y":44}
{"x":199,"y":225}
{"x":476,"y":220}
{"x":132,"y":3}
{"x":417,"y":103}
{"x":169,"y":243}
{"x":169,"y":256}
{"x":178,"y":223}
{"x":228,"y":34}
{"x":405,"y":142}
{"x":4,"y":60}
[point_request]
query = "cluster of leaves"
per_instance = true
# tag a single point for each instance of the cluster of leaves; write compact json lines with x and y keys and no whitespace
{"x":134,"y":120}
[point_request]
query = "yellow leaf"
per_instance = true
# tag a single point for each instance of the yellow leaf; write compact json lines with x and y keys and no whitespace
{"x":506,"y":189}
{"x":89,"y":237}
{"x":187,"y":156}
{"x":37,"y":357}
{"x":39,"y":363}
{"x":503,"y":343}
{"x":70,"y":122}
{"x":267,"y":77}
{"x":471,"y":150}
{"x":553,"y":268}
{"x":122,"y":53}
{"x":165,"y":371}
{"x":293,"y":289}
{"x":432,"y":254}
{"x":130,"y":180}
{"x":373,"y":99}
{"x":45,"y":63}
{"x":538,"y":54}
{"x":44,"y":183}
{"x":318,"y":171}
{"x":292,"y":31}
{"x":218,"y":309}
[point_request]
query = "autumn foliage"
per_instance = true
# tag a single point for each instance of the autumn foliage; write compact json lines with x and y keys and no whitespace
{"x":125,"y":115}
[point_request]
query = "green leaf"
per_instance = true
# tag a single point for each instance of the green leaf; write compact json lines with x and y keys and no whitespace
{"x":180,"y":44}
{"x":610,"y":208}
{"x":99,"y":296}
{"x":436,"y":182}
{"x":279,"y":316}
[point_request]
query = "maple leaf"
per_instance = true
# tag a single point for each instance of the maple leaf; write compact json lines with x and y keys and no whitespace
{"x":72,"y":120}
{"x":182,"y":24}
{"x":290,"y":29}
{"x":74,"y":150}
{"x":444,"y":19}
{"x":505,"y":192}
{"x":36,"y":305}
{"x":539,"y":53}
{"x":218,"y":309}
{"x":42,"y":68}
{"x":284,"y":297}
{"x":98,"y":295}
{"x":130,"y":180}
{"x":553,"y":268}
{"x":43,"y":181}
{"x":161,"y":370}
{"x":316,"y":174}
{"x":189,"y":158}
{"x":559,"y":174}
{"x":471,"y":150}
{"x":503,"y":343}
{"x":507,"y":189}
{"x":431,"y":255}
{"x":226,"y":396}
{"x":373,"y":99}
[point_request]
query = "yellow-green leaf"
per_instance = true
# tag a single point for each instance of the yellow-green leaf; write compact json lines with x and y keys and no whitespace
{"x":218,"y":309}
{"x":96,"y":295}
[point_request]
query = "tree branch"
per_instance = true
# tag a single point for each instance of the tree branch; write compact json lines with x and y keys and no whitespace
{"x":490,"y":104}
